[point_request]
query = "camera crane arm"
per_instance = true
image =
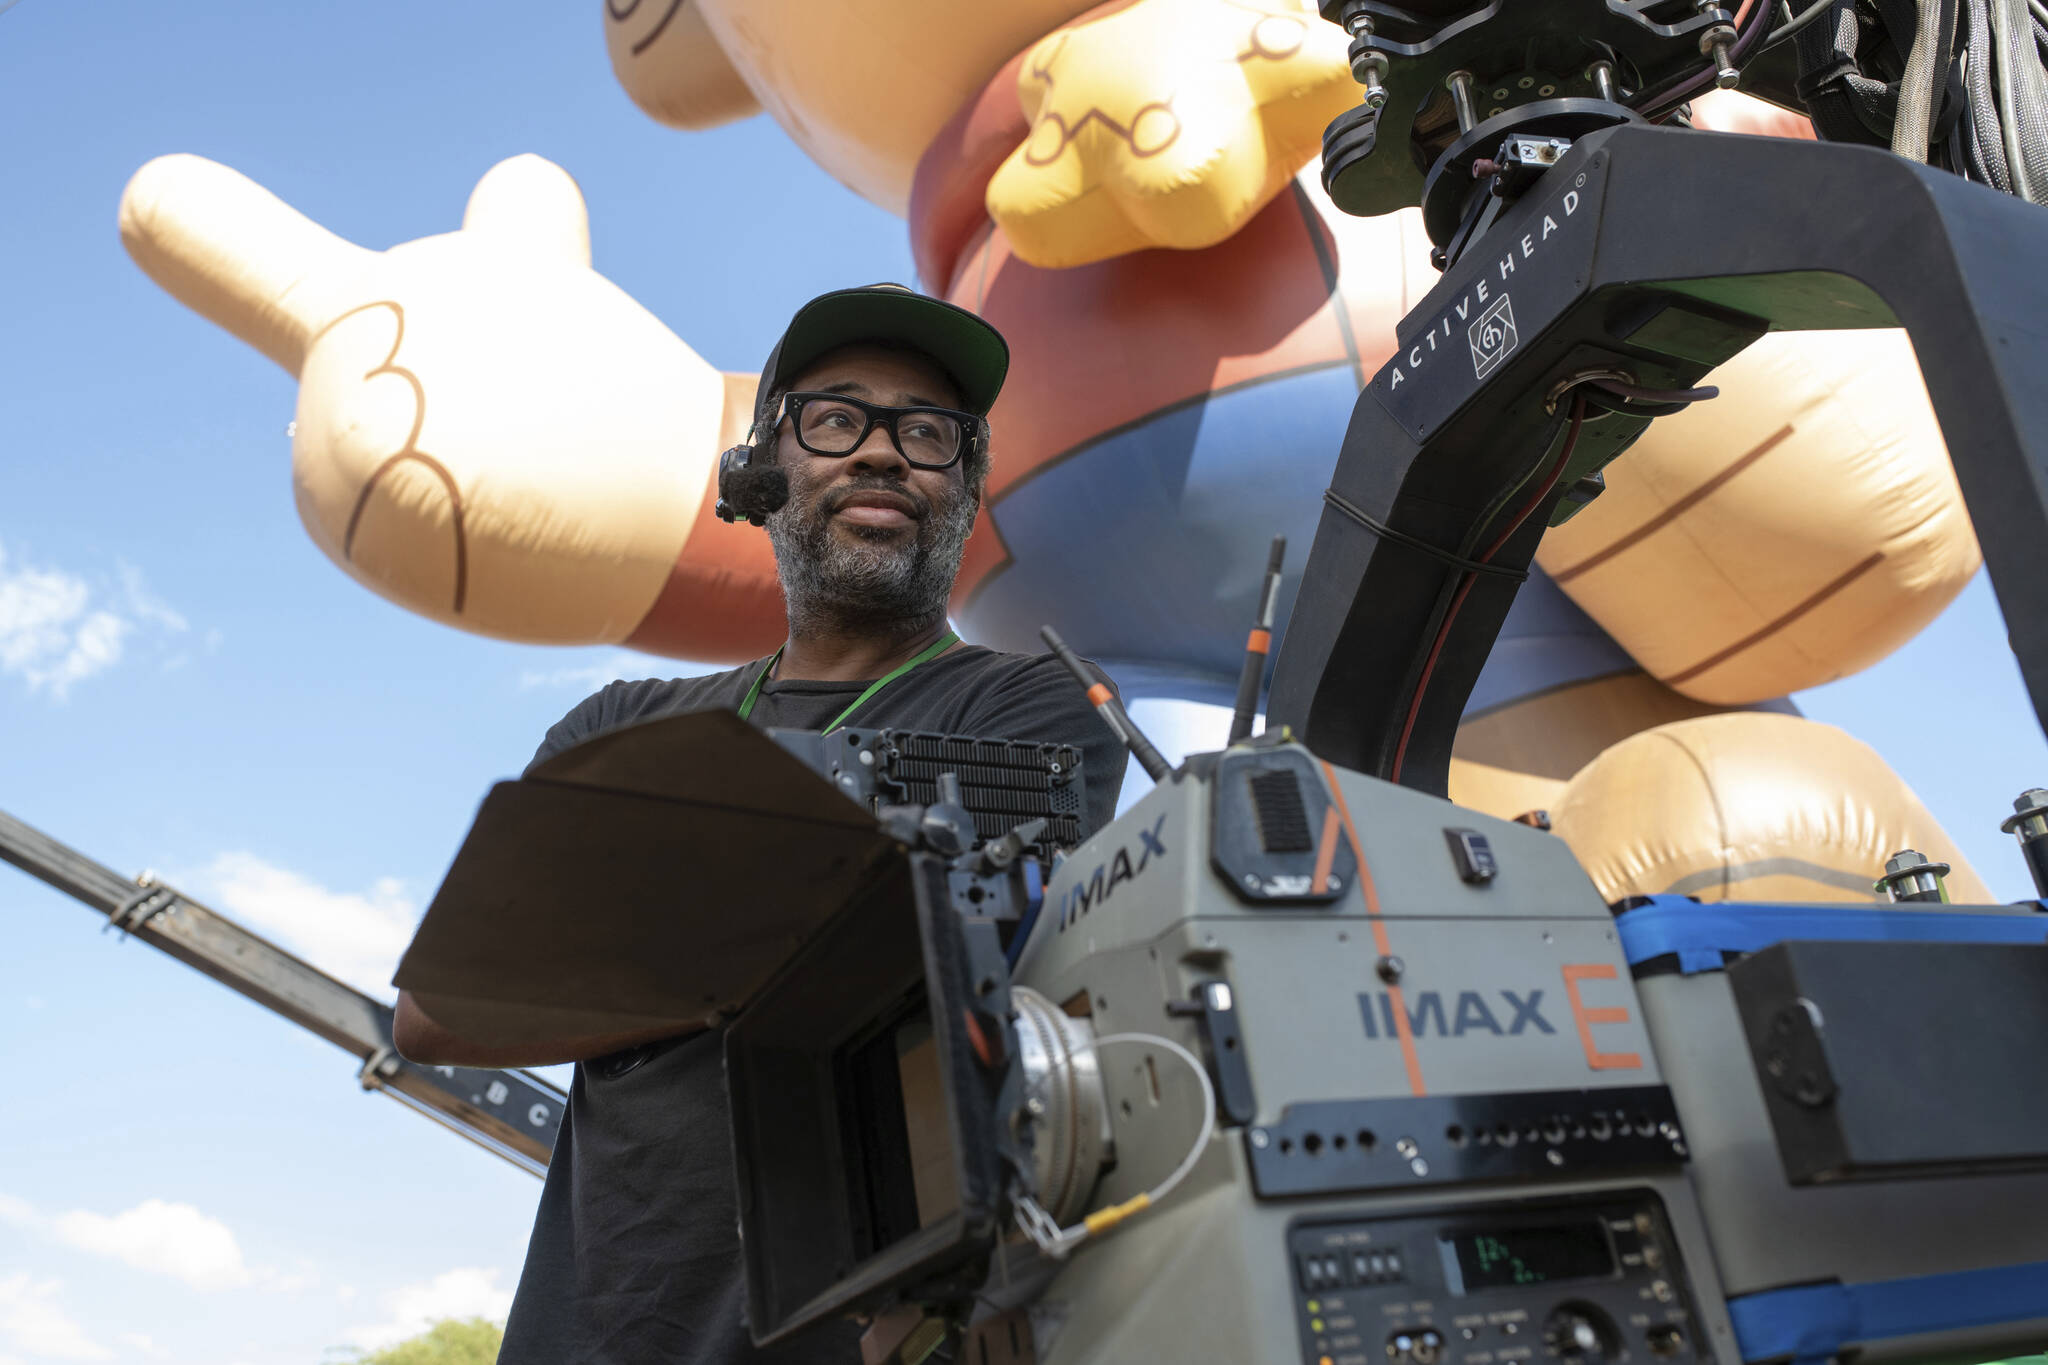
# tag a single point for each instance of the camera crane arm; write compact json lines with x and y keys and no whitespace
{"x":1657,"y":253}
{"x":513,"y":1114}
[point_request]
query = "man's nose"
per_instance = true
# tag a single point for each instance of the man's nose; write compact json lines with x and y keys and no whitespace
{"x":878,"y":454}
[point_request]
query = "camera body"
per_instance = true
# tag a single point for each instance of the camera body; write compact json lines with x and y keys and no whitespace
{"x":1444,"y":1126}
{"x":1443,"y":1049}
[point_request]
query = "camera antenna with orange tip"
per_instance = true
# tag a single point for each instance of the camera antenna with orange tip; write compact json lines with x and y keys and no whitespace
{"x":1111,"y":710}
{"x":1259,"y":647}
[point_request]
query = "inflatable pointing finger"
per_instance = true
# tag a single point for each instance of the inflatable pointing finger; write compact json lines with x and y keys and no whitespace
{"x":488,"y":433}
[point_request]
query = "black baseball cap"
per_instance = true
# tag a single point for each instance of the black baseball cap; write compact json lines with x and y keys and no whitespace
{"x":971,"y":352}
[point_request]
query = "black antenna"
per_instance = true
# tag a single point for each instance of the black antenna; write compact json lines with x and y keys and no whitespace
{"x":1258,"y":646}
{"x":1111,"y":710}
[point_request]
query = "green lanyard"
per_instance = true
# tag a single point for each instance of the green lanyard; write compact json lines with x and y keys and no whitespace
{"x":936,"y":648}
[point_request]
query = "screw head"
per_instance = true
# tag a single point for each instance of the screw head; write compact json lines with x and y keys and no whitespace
{"x":1390,"y":968}
{"x":1260,"y":1140}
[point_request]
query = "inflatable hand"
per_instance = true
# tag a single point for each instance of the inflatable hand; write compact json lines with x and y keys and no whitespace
{"x":489,"y":433}
{"x":1166,"y":124}
{"x":1796,"y":529}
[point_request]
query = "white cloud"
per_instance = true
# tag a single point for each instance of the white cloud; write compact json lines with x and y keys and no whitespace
{"x":146,"y":606}
{"x":462,"y":1293}
{"x":166,"y":1239}
{"x":31,"y":1321}
{"x":56,"y":630}
{"x":158,"y":1237}
{"x":143,"y":1342}
{"x":357,"y":937}
{"x":589,"y":677}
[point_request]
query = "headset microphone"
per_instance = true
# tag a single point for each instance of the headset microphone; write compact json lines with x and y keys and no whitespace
{"x":747,"y":492}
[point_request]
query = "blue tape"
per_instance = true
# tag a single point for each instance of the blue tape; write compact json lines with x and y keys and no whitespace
{"x":1034,"y":900}
{"x":1810,"y":1323}
{"x":1699,"y":934}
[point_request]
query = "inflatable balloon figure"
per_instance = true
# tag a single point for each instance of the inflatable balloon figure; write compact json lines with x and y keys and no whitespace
{"x":494,"y":436}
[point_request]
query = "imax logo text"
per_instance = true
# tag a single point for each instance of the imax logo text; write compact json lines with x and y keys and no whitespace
{"x":1470,"y":1014}
{"x":1104,"y":880}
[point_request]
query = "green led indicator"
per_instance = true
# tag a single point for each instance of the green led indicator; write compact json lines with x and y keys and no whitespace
{"x":1494,"y":1257}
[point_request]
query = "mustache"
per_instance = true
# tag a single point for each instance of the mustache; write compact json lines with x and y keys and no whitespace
{"x":833,"y":500}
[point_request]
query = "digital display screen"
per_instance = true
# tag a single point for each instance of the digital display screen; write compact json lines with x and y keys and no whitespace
{"x":1531,"y":1255}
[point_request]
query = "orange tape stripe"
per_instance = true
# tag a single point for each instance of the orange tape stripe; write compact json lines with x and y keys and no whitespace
{"x":1100,"y":694}
{"x":1260,"y":641}
{"x":1326,"y":851}
{"x":1408,"y":1057}
{"x":1587,"y":1015}
{"x":1379,"y":935}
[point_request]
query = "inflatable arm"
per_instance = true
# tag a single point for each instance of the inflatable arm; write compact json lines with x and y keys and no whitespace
{"x":489,"y":433}
{"x":670,"y":62}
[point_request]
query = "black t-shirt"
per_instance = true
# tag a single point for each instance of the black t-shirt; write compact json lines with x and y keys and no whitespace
{"x":635,"y":1256}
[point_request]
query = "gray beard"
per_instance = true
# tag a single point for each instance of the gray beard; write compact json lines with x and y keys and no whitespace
{"x":874,"y":583}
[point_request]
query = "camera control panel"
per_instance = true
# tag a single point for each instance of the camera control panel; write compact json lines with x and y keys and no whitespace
{"x":1586,"y":1281}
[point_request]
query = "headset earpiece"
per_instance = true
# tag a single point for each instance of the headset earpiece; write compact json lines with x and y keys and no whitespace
{"x":733,"y":461}
{"x":746,"y":490}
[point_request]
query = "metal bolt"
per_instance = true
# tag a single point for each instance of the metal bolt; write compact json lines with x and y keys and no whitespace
{"x":1910,"y":875}
{"x":1419,"y":1166}
{"x":1603,"y":81}
{"x":1459,"y":83}
{"x":1714,"y":43}
{"x":1726,"y":77}
{"x":1406,"y":1146}
{"x":1554,"y":1157}
{"x":1369,"y":69}
{"x":2030,"y":814}
{"x":2029,"y":824}
{"x":1259,"y":1139}
{"x":1390,"y":969}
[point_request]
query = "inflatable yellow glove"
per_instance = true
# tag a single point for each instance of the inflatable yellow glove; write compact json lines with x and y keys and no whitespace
{"x":1169,"y":123}
{"x":489,"y":433}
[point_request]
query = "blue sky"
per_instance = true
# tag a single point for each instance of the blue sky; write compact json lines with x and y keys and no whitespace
{"x":182,"y":1177}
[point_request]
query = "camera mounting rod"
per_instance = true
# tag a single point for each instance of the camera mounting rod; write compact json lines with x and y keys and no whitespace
{"x":1658,"y":254}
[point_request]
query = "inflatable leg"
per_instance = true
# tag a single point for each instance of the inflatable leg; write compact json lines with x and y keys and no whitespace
{"x":1516,"y":758}
{"x":1751,"y":806}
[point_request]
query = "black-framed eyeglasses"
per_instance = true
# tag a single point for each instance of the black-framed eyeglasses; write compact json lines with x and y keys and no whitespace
{"x":835,"y":424}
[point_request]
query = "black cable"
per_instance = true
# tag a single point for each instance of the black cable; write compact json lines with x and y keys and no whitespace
{"x":1662,"y":101}
{"x":1791,"y":27}
{"x":1464,"y":583}
{"x":1436,"y":552}
{"x":1635,"y":393}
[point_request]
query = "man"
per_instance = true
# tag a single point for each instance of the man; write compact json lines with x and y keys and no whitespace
{"x":873,"y":408}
